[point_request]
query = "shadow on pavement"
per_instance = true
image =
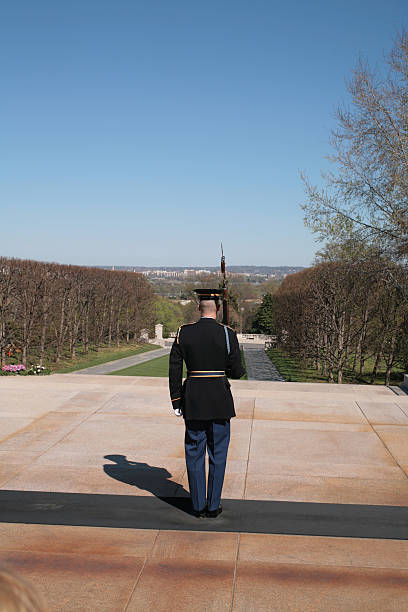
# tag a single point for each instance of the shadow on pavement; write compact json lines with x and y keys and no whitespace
{"x":154,"y":479}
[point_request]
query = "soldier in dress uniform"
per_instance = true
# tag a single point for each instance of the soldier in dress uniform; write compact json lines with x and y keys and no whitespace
{"x":211,"y":353}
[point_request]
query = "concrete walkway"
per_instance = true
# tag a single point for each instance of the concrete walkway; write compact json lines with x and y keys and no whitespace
{"x":126,"y":362}
{"x":94,"y":498}
{"x":258,"y":364}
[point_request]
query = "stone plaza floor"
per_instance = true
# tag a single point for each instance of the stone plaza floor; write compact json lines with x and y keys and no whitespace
{"x":93,"y":498}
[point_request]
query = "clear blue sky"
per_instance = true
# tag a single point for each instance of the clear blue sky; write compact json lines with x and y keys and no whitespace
{"x":145,"y":132}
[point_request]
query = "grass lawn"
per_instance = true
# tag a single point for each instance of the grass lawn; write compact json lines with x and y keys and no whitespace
{"x":103,"y":355}
{"x":156,"y":367}
{"x":293,"y":370}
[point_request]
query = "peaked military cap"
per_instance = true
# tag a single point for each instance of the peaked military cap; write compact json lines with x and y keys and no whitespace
{"x":209,"y":294}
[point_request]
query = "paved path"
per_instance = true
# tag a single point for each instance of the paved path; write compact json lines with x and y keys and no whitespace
{"x":126,"y":362}
{"x":94,"y":506}
{"x":258,"y":364}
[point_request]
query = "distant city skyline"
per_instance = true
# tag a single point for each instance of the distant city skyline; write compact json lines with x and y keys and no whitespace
{"x":150,"y":132}
{"x":198,"y":268}
{"x":181,"y":271}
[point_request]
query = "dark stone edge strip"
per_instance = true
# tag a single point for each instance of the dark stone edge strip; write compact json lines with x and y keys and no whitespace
{"x":174,"y":513}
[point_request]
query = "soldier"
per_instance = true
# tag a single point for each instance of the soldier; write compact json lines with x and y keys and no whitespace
{"x":211,"y":353}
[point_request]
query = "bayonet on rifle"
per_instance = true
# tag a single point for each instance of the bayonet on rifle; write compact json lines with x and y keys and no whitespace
{"x":225,"y":307}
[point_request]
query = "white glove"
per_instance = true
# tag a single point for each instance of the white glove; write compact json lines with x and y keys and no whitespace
{"x":178,"y":412}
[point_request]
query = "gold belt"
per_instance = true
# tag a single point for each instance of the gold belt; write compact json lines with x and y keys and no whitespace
{"x":205,"y":373}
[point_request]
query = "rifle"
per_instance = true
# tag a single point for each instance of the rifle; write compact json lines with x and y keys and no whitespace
{"x":225,"y":306}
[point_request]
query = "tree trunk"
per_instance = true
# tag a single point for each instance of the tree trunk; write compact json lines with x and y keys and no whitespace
{"x":347,"y":342}
{"x":118,"y":325}
{"x":356,"y":355}
{"x":60,"y":331}
{"x":362,"y":347}
{"x":73,"y":341}
{"x":324,"y":366}
{"x":86,"y":331}
{"x":102,"y":324}
{"x":362,"y":362}
{"x":71,"y":338}
{"x":390,"y":358}
{"x":4,"y":303}
{"x":127,"y":326}
{"x":110,"y":322}
{"x":340,"y":348}
{"x":375,"y":368}
{"x":376,"y":364}
{"x":2,"y":344}
{"x":118,"y":332}
{"x":75,"y":327}
{"x":361,"y":339}
{"x":43,"y":336}
{"x":24,"y":355}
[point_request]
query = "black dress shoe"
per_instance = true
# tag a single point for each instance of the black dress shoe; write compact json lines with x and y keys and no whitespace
{"x":214,"y":513}
{"x":200,"y":513}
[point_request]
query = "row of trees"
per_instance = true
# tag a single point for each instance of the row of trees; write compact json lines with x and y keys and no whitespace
{"x":345,"y":315}
{"x":48,"y":309}
{"x":350,"y":310}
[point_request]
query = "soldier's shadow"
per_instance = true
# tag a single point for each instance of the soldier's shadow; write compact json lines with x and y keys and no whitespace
{"x":154,"y":479}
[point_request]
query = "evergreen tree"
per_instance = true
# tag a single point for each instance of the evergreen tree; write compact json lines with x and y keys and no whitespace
{"x":263,"y":320}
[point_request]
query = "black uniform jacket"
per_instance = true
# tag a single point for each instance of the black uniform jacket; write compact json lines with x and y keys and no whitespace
{"x":203,"y":348}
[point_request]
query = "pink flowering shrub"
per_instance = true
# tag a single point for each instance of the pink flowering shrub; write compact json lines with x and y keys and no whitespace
{"x":18,"y":367}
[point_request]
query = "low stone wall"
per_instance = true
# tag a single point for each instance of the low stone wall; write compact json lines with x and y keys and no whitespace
{"x":405,"y":383}
{"x":254,"y":338}
{"x":161,"y":341}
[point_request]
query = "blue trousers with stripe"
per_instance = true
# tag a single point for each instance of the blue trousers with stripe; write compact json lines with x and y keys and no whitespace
{"x":213,"y":436}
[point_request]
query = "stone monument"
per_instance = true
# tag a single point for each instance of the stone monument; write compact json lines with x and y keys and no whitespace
{"x":158,"y":331}
{"x":144,"y":335}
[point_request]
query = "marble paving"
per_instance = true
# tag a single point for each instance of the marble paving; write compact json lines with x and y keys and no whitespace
{"x":298,"y":443}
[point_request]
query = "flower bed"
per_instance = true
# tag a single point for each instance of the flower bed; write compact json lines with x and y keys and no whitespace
{"x":13,"y":368}
{"x":19,"y":368}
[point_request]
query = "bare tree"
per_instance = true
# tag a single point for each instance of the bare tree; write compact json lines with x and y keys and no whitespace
{"x":367,"y":193}
{"x":7,"y":291}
